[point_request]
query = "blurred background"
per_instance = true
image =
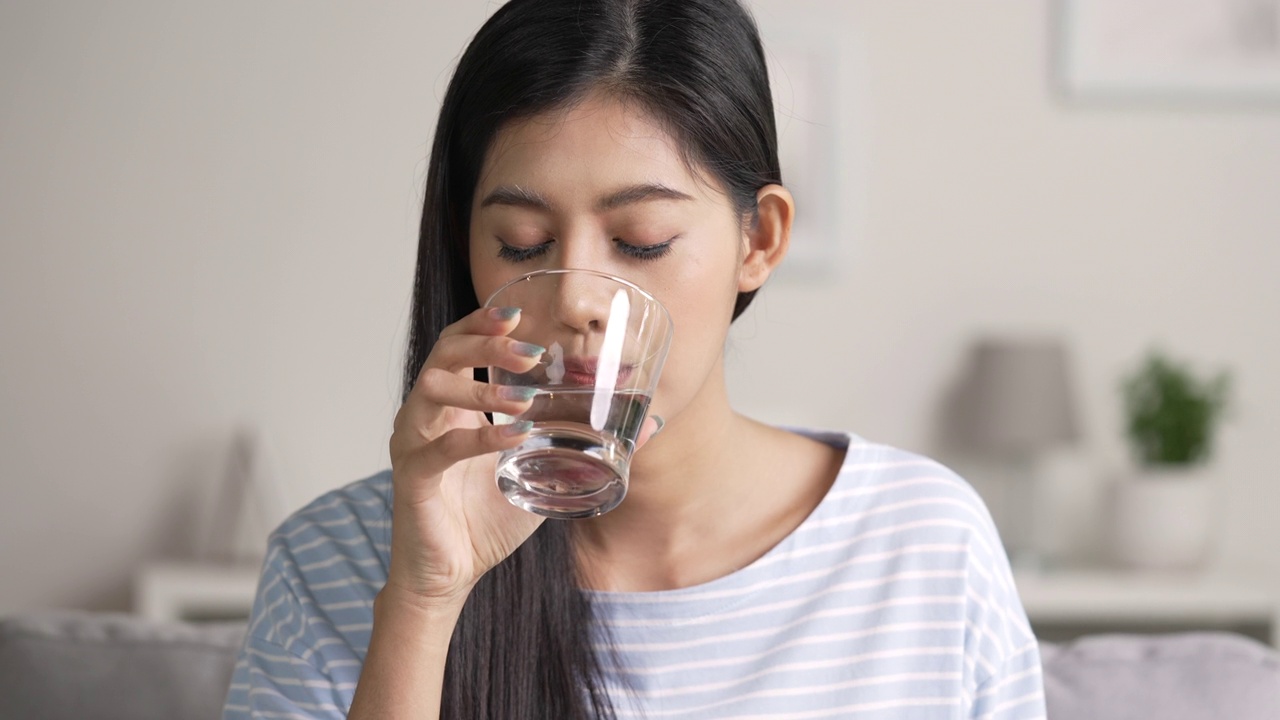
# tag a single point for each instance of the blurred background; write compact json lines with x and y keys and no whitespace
{"x":208,"y":221}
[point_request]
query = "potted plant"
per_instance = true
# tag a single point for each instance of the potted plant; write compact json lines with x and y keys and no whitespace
{"x":1166,"y":511}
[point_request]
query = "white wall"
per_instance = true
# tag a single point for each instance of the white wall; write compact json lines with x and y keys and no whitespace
{"x":208,"y":213}
{"x":995,"y":204}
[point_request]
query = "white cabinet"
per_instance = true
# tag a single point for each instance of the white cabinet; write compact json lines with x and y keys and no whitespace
{"x":1125,"y":601}
{"x":190,"y":591}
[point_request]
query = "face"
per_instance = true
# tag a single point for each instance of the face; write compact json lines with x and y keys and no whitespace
{"x":601,"y":186}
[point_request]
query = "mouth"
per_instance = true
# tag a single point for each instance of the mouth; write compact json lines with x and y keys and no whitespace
{"x":582,"y":371}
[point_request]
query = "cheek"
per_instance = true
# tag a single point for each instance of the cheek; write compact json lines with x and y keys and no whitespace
{"x":488,"y":273}
{"x":700,"y":293}
{"x":701,"y":282}
{"x":701,"y":310}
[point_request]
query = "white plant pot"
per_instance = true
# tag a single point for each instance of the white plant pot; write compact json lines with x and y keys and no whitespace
{"x":1166,"y":518}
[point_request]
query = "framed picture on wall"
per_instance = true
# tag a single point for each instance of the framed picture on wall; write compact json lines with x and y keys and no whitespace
{"x":1227,"y":49}
{"x":803,"y":78}
{"x":819,"y":93}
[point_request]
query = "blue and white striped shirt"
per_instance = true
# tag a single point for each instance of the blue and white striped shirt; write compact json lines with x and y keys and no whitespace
{"x":893,"y":599}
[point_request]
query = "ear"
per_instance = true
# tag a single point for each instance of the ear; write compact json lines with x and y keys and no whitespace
{"x":765,"y":243}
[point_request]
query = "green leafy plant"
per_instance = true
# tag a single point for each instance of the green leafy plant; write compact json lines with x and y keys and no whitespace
{"x":1172,"y":414}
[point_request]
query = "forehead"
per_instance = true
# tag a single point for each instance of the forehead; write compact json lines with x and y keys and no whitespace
{"x":587,"y":148}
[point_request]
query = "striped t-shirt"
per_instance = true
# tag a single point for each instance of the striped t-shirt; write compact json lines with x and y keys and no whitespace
{"x":893,"y":599}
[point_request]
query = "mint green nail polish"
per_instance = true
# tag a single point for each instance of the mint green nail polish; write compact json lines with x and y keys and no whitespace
{"x":529,"y":349}
{"x":517,"y":428}
{"x":519,"y":394}
{"x":661,"y":424}
{"x":504,"y":313}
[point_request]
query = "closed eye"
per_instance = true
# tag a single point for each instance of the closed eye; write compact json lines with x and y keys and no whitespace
{"x":644,"y":252}
{"x":514,"y":253}
{"x":517,"y":254}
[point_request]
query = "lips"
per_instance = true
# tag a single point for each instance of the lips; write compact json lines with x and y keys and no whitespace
{"x":582,"y":371}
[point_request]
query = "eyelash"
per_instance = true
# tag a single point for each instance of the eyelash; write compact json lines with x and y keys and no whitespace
{"x":512,"y":253}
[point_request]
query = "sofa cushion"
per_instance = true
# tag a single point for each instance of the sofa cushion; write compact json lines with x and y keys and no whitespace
{"x":108,"y":666}
{"x":1185,"y":676}
{"x":90,"y":665}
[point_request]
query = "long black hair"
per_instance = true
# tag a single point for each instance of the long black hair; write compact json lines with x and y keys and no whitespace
{"x":523,"y":646}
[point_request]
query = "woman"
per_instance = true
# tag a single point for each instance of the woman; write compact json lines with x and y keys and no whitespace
{"x":751,"y":571}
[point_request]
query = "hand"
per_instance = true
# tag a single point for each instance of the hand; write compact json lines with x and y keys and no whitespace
{"x":450,"y":523}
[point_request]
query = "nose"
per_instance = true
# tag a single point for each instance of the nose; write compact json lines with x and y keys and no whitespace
{"x":582,"y":302}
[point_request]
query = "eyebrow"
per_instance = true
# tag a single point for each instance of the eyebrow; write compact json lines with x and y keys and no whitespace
{"x":516,"y":196}
{"x":640,"y":193}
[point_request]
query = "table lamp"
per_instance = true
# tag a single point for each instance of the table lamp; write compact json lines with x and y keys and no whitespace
{"x":1019,"y":405}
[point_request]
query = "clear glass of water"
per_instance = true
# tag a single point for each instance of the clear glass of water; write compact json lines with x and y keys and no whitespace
{"x":606,"y":341}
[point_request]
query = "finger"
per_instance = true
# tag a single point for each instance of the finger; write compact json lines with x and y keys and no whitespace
{"x":441,"y":389}
{"x":421,"y":420}
{"x":485,"y":321}
{"x":422,"y":469}
{"x":651,"y":426}
{"x":463,"y":352}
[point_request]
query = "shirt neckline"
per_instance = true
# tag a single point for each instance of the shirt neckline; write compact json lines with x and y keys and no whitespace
{"x":702,"y":597}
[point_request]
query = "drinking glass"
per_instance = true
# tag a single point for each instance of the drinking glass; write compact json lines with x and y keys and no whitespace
{"x":606,"y":341}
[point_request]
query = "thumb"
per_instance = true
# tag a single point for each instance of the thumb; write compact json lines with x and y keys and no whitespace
{"x":651,"y":427}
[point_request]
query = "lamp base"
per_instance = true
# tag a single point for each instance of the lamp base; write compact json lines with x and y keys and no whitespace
{"x":1027,"y":517}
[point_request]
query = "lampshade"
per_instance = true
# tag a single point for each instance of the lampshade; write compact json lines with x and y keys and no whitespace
{"x":1019,"y":396}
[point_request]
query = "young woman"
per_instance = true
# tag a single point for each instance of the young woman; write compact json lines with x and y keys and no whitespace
{"x":752,"y":571}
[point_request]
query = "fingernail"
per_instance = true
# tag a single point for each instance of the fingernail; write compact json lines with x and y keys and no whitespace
{"x":504,"y":313}
{"x":661,"y":424}
{"x":529,"y":349}
{"x":517,"y":393}
{"x":517,"y":428}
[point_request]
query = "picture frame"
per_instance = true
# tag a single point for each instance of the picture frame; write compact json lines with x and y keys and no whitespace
{"x":808,"y":73}
{"x":1171,"y":49}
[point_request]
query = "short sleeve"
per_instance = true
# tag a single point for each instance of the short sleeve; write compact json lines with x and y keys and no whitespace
{"x":271,"y":682}
{"x":1004,"y":656}
{"x":1015,"y":691}
{"x":280,"y":673}
{"x":312,"y":617}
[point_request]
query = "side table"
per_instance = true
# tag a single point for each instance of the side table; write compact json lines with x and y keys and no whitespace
{"x":1127,"y":601}
{"x":166,"y":592}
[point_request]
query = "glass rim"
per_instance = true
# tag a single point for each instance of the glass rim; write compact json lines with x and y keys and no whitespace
{"x":666,"y":315}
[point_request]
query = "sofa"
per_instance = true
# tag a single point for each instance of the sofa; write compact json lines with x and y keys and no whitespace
{"x":90,"y":666}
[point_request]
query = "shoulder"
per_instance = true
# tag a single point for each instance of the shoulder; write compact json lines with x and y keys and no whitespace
{"x":361,"y":509}
{"x":327,"y":560}
{"x":312,"y":618}
{"x":904,"y":494}
{"x":911,"y":518}
{"x":911,"y":500}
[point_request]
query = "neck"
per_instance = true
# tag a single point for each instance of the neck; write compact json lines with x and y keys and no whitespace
{"x":676,"y":506}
